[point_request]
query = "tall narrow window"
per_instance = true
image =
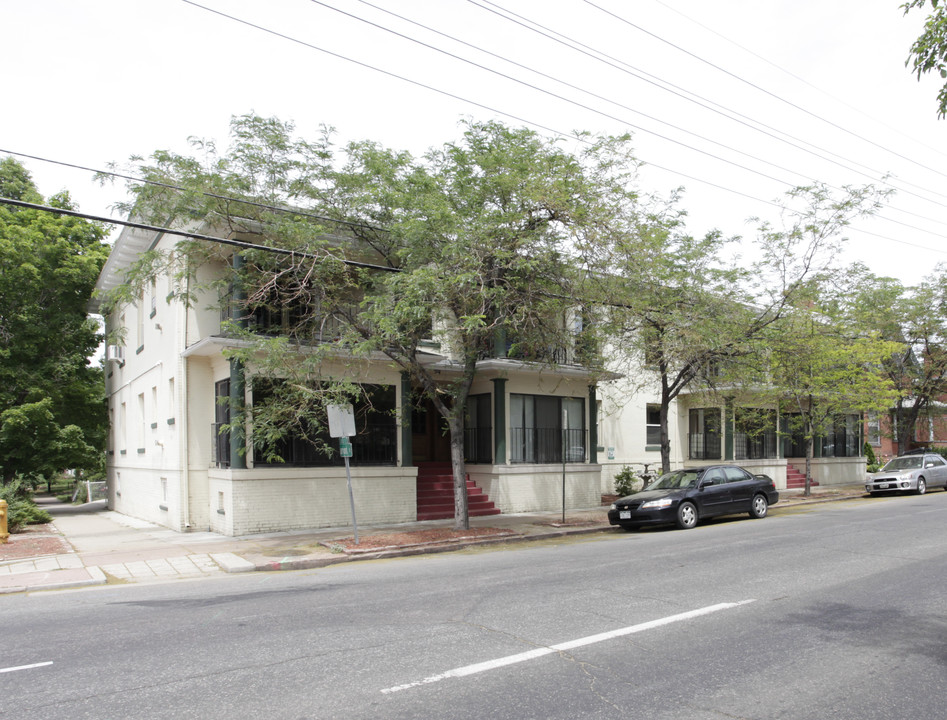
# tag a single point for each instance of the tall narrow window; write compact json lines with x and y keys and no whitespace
{"x":121,"y":431}
{"x":141,"y":422}
{"x":703,"y":435}
{"x":170,"y":398}
{"x":140,"y":339}
{"x":221,"y":438}
{"x":542,"y":426}
{"x":653,"y":425}
{"x":478,"y":429}
{"x":873,"y":427}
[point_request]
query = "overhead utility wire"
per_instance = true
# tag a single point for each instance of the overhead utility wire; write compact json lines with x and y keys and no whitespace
{"x":800,"y":79}
{"x":178,"y":188}
{"x":554,"y":79}
{"x":586,"y":107}
{"x":706,"y":103}
{"x":467,"y":101}
{"x":282,"y":251}
{"x":574,"y":102}
{"x":660,"y":83}
{"x":192,"y":235}
{"x":520,"y":119}
{"x":761,"y":89}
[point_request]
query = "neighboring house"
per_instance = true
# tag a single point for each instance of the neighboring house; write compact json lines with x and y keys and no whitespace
{"x":537,"y":434}
{"x":930,"y":430}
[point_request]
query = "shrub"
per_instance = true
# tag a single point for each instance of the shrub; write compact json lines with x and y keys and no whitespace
{"x":871,"y":462}
{"x":21,"y":510}
{"x":942,"y":451}
{"x":627,"y":482}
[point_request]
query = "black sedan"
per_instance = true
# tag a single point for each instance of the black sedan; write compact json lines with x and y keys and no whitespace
{"x":686,"y":496}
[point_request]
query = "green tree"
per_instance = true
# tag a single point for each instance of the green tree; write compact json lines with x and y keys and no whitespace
{"x":52,"y":413}
{"x":476,"y":245}
{"x":821,"y":363}
{"x":914,"y":318}
{"x":929,"y":51}
{"x":690,"y":315}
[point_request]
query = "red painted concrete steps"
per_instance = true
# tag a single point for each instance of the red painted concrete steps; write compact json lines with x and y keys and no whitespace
{"x":436,"y":494}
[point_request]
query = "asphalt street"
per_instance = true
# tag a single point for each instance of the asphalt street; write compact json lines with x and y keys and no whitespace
{"x":833,"y":610}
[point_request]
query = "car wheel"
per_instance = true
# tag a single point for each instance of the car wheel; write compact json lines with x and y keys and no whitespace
{"x":686,"y":515}
{"x":921,"y":486}
{"x":759,"y":507}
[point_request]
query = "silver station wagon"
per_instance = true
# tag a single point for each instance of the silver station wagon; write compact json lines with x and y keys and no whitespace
{"x":912,"y":472}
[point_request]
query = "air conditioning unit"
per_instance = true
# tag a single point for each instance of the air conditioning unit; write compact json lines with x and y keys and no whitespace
{"x":115,"y":353}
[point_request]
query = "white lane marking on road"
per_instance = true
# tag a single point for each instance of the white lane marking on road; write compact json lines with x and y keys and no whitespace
{"x":25,"y":667}
{"x":572,"y":644}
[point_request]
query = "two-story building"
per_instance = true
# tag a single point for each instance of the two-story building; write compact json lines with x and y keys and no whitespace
{"x":538,"y":434}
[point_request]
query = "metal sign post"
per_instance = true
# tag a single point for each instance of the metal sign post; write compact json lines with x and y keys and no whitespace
{"x":565,"y":436}
{"x":342,"y":426}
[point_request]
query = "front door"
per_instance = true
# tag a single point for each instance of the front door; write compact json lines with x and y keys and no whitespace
{"x":430,"y":436}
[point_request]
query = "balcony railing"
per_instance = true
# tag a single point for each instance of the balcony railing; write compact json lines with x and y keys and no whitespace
{"x":704,"y":446}
{"x":545,"y":445}
{"x":478,"y":445}
{"x":755,"y":447}
{"x":220,"y":446}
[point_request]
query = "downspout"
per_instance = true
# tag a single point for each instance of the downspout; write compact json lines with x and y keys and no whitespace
{"x":184,"y":411}
{"x":593,"y":426}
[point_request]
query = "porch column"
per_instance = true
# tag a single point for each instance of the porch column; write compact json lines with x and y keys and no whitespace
{"x":238,"y":455}
{"x":407,"y":448}
{"x":729,"y":428}
{"x":499,"y":342}
{"x":593,"y":426}
{"x":499,"y":421}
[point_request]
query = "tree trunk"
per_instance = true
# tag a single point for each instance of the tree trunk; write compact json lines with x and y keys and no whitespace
{"x":461,"y":515}
{"x":810,"y":451}
{"x":665,"y":435}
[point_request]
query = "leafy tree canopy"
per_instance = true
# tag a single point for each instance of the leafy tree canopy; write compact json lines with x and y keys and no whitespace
{"x":478,"y":247}
{"x":915,"y":320}
{"x":52,"y":415}
{"x":687,"y":309}
{"x":929,"y":51}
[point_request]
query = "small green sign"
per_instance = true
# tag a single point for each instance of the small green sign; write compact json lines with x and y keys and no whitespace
{"x":345,"y":447}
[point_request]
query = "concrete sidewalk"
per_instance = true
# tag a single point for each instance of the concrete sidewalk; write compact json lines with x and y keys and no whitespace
{"x":90,"y":545}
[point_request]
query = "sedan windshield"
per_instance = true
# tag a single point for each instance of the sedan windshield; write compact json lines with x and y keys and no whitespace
{"x":904,"y":463}
{"x":674,"y":480}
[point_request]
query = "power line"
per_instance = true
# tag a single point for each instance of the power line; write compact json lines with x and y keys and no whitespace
{"x":583,"y":106}
{"x":759,"y":88}
{"x":179,"y":188}
{"x":190,"y":235}
{"x":446,"y":93}
{"x":561,"y":97}
{"x":797,"y":77}
{"x":703,"y":102}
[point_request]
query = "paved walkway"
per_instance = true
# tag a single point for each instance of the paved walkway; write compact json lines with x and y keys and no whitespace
{"x":91,"y":545}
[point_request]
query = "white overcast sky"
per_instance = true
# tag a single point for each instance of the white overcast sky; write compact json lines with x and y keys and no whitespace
{"x":89,"y":82}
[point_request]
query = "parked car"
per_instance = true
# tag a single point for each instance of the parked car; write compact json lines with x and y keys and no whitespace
{"x":912,"y":472}
{"x":684,"y":497}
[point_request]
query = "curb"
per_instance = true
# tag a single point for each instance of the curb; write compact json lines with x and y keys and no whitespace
{"x":96,"y":577}
{"x":308,"y":563}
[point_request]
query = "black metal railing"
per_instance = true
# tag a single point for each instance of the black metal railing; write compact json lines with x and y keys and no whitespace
{"x":375,"y":444}
{"x":220,"y":446}
{"x":545,"y":445}
{"x":704,"y":446}
{"x":841,"y":444}
{"x":478,"y":445}
{"x":755,"y":447}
